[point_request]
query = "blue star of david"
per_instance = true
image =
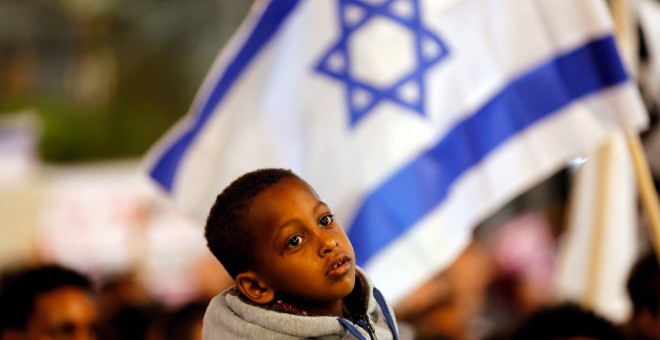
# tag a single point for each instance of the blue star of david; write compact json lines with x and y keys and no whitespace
{"x":407,"y":91}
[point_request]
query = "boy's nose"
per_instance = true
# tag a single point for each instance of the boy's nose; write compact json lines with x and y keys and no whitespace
{"x":328,"y":246}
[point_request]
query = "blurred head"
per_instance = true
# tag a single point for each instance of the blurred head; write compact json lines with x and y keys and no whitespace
{"x":566,"y":321}
{"x":296,"y":250}
{"x":644,"y":291}
{"x":49,"y":302}
{"x":186,"y":322}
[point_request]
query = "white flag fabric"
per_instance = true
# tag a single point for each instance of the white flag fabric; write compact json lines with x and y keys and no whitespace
{"x":414,"y":120}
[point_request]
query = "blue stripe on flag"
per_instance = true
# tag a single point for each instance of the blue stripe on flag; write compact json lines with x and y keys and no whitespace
{"x":424,"y":183}
{"x":275,"y":14}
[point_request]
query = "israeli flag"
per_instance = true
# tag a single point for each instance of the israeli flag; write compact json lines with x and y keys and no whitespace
{"x":413,"y":119}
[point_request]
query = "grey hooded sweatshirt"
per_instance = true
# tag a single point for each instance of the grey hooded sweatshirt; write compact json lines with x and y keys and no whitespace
{"x":229,"y":316}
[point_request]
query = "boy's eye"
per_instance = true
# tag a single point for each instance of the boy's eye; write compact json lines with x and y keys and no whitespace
{"x":294,"y":241}
{"x":326,"y":220}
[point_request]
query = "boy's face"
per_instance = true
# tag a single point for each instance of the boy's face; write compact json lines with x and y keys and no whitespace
{"x":301,"y":252}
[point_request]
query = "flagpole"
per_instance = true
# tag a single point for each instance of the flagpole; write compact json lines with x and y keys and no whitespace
{"x":626,"y":35}
{"x":602,"y":188}
{"x":624,"y":24}
{"x":647,"y":191}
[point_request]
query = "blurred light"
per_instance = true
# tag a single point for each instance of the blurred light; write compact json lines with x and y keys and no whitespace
{"x":18,"y":147}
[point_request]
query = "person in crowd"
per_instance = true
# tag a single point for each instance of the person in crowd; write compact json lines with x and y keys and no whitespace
{"x":643,"y":288}
{"x":185,"y":322}
{"x":566,"y":321}
{"x":47,"y":302}
{"x":126,"y":309}
{"x":293,"y":266}
{"x":449,"y":305}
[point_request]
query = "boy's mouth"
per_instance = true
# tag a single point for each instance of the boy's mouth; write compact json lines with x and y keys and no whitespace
{"x":339,"y":267}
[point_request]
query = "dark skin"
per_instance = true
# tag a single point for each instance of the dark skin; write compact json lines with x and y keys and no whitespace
{"x":63,"y":313}
{"x":302,"y":255}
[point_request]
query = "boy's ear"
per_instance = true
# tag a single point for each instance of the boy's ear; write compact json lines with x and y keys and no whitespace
{"x":255,"y":289}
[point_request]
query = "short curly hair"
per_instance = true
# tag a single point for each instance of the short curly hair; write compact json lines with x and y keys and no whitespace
{"x":228,"y":235}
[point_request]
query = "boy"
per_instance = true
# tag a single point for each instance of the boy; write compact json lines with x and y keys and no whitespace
{"x":293,"y":266}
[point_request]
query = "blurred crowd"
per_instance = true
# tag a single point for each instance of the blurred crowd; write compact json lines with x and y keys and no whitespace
{"x":502,"y":286}
{"x":476,"y":299}
{"x":50,"y":301}
{"x":466,"y":301}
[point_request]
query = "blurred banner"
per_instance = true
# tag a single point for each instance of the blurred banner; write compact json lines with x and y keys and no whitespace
{"x":106,"y":221}
{"x":414,"y":120}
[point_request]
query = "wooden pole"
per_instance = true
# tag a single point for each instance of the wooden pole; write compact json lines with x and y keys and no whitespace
{"x":604,"y":164}
{"x":626,"y":34}
{"x":625,"y":26}
{"x":647,"y":192}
